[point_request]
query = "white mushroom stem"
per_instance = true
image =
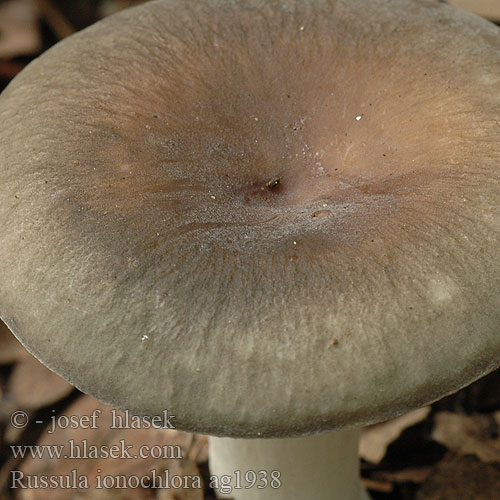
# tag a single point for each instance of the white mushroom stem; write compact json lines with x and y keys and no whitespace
{"x":323,"y":467}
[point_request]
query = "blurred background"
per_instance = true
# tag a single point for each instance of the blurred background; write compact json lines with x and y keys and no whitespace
{"x":448,"y":451}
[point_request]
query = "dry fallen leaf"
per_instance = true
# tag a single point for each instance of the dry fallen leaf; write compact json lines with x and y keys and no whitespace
{"x":376,"y":438}
{"x":198,"y":452}
{"x":468,"y":435}
{"x":188,"y":468}
{"x":174,"y":448}
{"x":381,"y":485}
{"x":410,"y":475}
{"x":462,"y":478}
{"x":19,"y":29}
{"x":11,"y":349}
{"x":31,"y":385}
{"x":490,"y":9}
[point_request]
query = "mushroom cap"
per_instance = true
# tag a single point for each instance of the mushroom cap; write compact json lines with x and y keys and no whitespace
{"x":269,"y":218}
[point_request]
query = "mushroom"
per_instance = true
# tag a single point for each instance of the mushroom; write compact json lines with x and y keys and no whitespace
{"x":274,"y":219}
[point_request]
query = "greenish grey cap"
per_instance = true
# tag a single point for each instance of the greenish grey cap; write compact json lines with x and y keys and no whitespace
{"x":269,"y":218}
